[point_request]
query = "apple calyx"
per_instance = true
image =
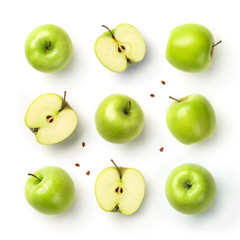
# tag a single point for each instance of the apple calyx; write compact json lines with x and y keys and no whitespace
{"x":129,"y":106}
{"x":30,"y":174}
{"x":119,"y":47}
{"x":188,"y":185}
{"x":118,"y":169}
{"x":174,"y":99}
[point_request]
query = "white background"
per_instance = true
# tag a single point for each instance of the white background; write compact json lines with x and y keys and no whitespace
{"x":87,"y":83}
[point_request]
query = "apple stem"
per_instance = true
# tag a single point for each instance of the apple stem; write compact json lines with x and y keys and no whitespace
{"x":174,"y":99}
{"x":109,"y":31}
{"x":118,"y":169}
{"x":30,"y":174}
{"x":49,"y":45}
{"x":129,"y":106}
{"x":216,"y":43}
{"x":64,"y":101}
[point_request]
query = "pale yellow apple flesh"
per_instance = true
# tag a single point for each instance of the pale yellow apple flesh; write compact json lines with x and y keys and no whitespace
{"x":117,"y":50}
{"x":50,"y":118}
{"x":115,"y":193}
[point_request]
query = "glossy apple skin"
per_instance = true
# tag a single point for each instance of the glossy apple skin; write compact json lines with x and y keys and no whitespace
{"x":113,"y":124}
{"x":54,"y":194}
{"x":199,"y":197}
{"x":57,"y":57}
{"x":189,"y":48}
{"x":192,"y":120}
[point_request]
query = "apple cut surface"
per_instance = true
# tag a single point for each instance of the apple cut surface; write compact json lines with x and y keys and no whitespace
{"x":50,"y":121}
{"x":119,"y":47}
{"x":132,"y":40}
{"x":107,"y":52}
{"x":115,"y":193}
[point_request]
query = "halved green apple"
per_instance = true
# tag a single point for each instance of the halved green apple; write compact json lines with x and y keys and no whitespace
{"x":119,"y":47}
{"x":120,"y":189}
{"x":50,"y":118}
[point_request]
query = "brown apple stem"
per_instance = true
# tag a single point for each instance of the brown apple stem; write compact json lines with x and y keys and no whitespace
{"x":30,"y":174}
{"x":118,"y":169}
{"x":129,"y":106}
{"x":64,"y":101}
{"x":49,"y":45}
{"x":216,"y":43}
{"x":174,"y":99}
{"x":109,"y":31}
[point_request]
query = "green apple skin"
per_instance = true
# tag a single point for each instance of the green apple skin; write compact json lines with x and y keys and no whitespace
{"x":190,"y":48}
{"x":112,"y":122}
{"x":44,"y":58}
{"x":54,"y":194}
{"x":192,"y":119}
{"x":190,"y":189}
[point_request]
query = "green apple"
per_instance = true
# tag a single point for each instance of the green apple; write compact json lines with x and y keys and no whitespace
{"x":120,"y":189}
{"x":190,"y":48}
{"x":116,"y":49}
{"x":48,"y":48}
{"x":50,"y":190}
{"x":119,"y":119}
{"x":50,"y":118}
{"x":190,"y":189}
{"x":191,"y":119}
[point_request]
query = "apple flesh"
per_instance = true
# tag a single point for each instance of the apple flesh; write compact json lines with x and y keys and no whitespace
{"x":120,"y":189}
{"x":191,"y":119}
{"x":190,"y":189}
{"x":48,"y":48}
{"x":50,"y":118}
{"x":119,"y":119}
{"x":116,"y":49}
{"x":190,"y":48}
{"x":50,"y":190}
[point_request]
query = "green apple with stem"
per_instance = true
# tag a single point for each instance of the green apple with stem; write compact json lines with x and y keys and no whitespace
{"x":191,"y":119}
{"x":190,"y":188}
{"x":119,"y":189}
{"x":190,"y":48}
{"x":119,"y":119}
{"x":50,"y":190}
{"x":49,"y":48}
{"x":51,"y":118}
{"x":116,"y":49}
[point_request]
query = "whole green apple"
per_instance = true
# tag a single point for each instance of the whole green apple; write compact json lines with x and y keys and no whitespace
{"x":190,"y":189}
{"x":191,"y":119}
{"x":50,"y":190}
{"x":48,"y":48}
{"x":119,"y":119}
{"x":190,"y":48}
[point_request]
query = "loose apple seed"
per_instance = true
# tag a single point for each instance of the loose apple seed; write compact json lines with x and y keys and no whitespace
{"x":77,"y":164}
{"x":88,"y":172}
{"x":161,"y":149}
{"x":163,"y":82}
{"x":152,"y":95}
{"x":83,"y":144}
